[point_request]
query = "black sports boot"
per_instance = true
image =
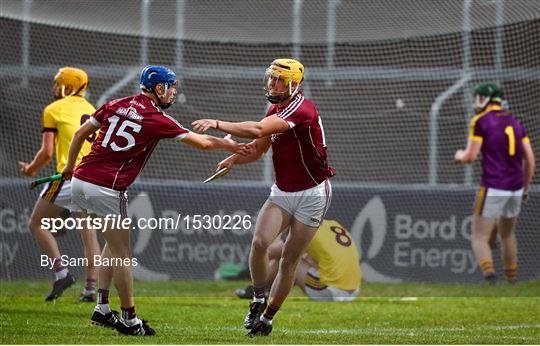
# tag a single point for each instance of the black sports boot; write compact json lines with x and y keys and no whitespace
{"x":87,"y":298}
{"x":254,"y":313}
{"x":260,"y":329}
{"x":244,"y":293}
{"x":140,"y":329}
{"x":109,"y":319}
{"x":60,"y":286}
{"x":491,"y":280}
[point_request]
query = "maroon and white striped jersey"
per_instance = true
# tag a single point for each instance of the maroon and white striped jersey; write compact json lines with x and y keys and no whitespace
{"x":130,"y":129}
{"x":299,"y":154}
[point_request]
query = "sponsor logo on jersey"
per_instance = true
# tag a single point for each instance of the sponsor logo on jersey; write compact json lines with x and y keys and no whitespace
{"x":129,"y":113}
{"x":138,"y":104}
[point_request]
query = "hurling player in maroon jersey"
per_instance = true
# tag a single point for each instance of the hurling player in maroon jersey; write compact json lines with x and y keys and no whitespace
{"x":301,"y":194}
{"x":508,"y":166}
{"x":129,"y":130}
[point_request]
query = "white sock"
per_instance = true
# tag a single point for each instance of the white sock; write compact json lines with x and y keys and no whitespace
{"x":61,"y":274}
{"x":104,"y":308}
{"x":88,"y":292}
{"x":132,"y":321}
{"x":258,"y":300}
{"x":266,"y":321}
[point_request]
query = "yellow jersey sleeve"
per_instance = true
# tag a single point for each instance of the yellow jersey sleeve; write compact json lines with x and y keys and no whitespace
{"x":49,"y":122}
{"x":67,"y":115}
{"x":475,"y":131}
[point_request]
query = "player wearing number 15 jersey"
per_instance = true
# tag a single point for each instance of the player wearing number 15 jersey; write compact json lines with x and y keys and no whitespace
{"x":508,"y":167}
{"x":129,"y":130}
{"x":60,"y":120}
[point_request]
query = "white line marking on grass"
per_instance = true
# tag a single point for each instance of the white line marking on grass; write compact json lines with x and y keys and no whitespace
{"x":401,"y":331}
{"x":409,"y":299}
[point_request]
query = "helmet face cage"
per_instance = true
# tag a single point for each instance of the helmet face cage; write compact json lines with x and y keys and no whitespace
{"x":491,"y":93}
{"x":479,"y":104}
{"x":272,"y":95}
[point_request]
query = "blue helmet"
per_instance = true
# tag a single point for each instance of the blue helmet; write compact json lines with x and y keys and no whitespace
{"x":153,"y":75}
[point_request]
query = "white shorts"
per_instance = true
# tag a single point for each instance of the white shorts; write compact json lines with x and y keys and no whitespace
{"x":58,"y":192}
{"x":307,"y":206}
{"x":495,"y":203}
{"x":95,"y":199}
{"x":328,"y":293}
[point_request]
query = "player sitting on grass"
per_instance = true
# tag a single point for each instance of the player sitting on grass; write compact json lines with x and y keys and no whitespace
{"x":129,"y":130}
{"x":330,"y":269}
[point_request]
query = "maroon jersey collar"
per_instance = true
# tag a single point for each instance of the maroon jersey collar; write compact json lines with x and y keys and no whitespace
{"x":281,"y":107}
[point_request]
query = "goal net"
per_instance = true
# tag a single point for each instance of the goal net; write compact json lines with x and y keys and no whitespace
{"x":392,"y":81}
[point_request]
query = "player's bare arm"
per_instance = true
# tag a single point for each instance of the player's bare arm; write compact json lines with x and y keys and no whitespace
{"x":470,"y":154}
{"x":75,"y":147}
{"x":42,"y":158}
{"x":529,"y":167}
{"x":206,"y":142}
{"x":254,"y":150}
{"x":246,"y":129}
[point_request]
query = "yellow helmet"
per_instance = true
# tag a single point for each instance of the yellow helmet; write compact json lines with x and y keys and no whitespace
{"x":290,"y":71}
{"x":76,"y":78}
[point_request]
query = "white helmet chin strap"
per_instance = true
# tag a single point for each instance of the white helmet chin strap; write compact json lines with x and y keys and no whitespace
{"x":166,"y":88}
{"x":480,"y":105}
{"x":63,"y":89}
{"x":162,"y":97}
{"x":292,"y":93}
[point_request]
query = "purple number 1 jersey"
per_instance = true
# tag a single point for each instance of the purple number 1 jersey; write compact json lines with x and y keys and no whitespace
{"x":502,"y":150}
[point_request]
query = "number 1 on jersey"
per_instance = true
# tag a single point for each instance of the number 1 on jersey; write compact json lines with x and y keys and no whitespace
{"x":509,"y":130}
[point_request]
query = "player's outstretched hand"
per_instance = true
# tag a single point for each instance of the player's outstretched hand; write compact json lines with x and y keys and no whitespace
{"x":235,"y":147}
{"x":227,"y":163}
{"x":525,"y":196}
{"x":202,"y":125}
{"x":458,"y":156}
{"x":23,"y":166}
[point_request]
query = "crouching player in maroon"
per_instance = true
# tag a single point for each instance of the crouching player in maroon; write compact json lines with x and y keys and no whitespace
{"x":301,"y":195}
{"x":129,"y":130}
{"x":508,"y":167}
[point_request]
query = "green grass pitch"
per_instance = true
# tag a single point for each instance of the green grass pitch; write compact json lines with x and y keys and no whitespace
{"x":207,"y":313}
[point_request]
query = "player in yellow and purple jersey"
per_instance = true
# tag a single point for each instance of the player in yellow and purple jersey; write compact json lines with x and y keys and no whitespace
{"x":61,"y":119}
{"x":508,"y":166}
